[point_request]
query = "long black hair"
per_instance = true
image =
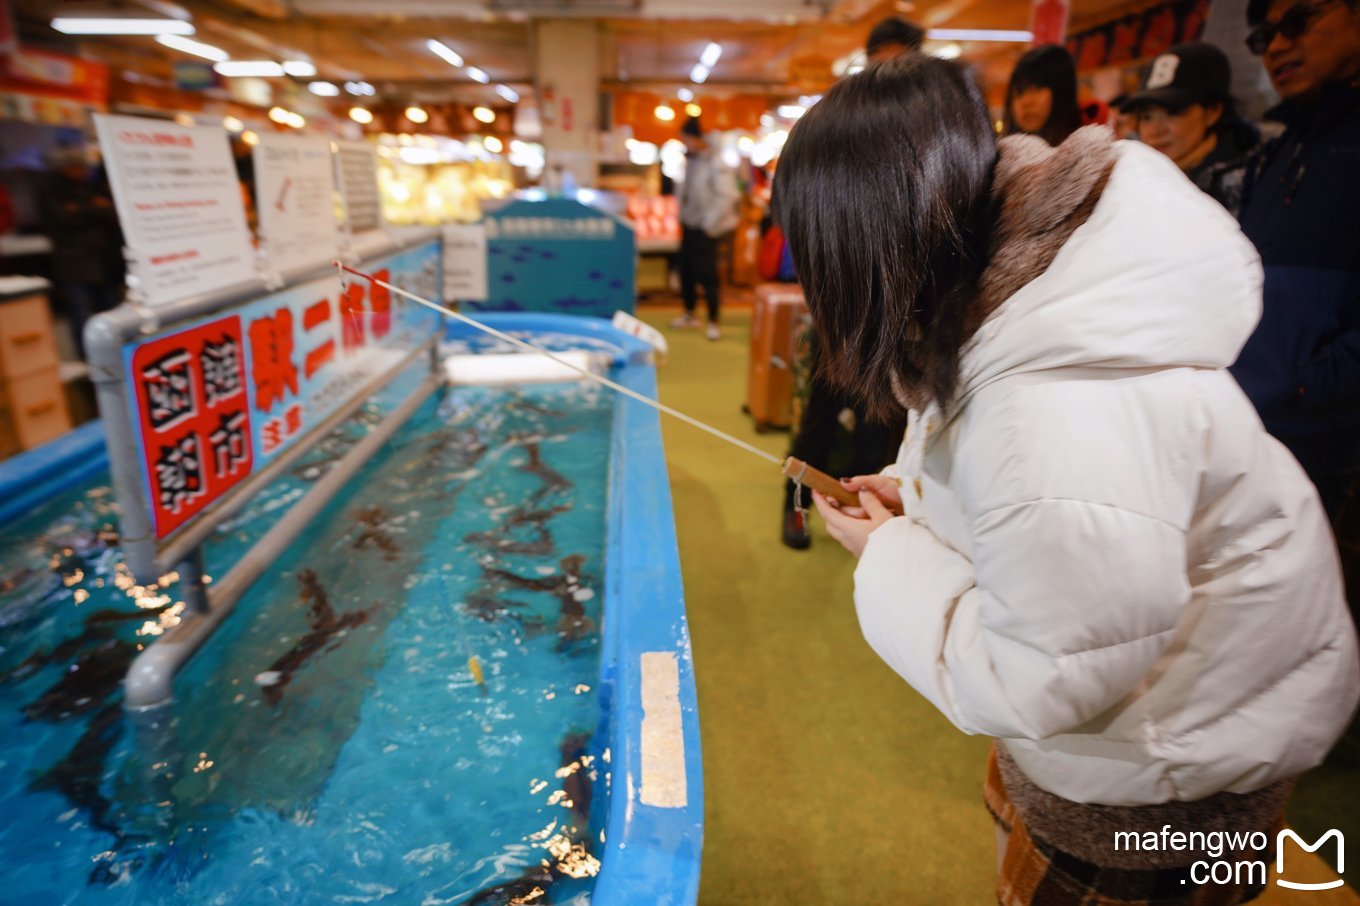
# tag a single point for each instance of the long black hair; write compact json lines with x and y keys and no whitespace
{"x":1051,"y":67}
{"x":884,"y":197}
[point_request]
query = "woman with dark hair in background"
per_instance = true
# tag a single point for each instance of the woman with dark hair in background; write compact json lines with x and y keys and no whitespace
{"x":1185,"y":110}
{"x":1042,"y":96}
{"x":1088,"y":549}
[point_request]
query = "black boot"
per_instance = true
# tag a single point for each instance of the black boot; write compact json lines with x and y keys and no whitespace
{"x":796,"y":533}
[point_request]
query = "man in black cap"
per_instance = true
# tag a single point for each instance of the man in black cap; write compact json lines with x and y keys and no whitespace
{"x":1301,"y":208}
{"x":891,"y":38}
{"x":1185,"y":110}
{"x":708,"y":211}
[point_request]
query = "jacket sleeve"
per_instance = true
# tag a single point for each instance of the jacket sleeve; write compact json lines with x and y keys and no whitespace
{"x":1064,"y":608}
{"x":1331,"y":377}
{"x":720,"y":215}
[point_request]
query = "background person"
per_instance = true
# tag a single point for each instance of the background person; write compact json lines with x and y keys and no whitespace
{"x":1036,"y":567}
{"x":1301,"y":208}
{"x":708,"y":211}
{"x":1041,"y":98}
{"x":78,"y":217}
{"x":1185,"y":111}
{"x":871,"y":443}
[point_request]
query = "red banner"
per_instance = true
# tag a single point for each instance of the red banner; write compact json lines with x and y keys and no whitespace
{"x":1141,"y":36}
{"x":194,"y":417}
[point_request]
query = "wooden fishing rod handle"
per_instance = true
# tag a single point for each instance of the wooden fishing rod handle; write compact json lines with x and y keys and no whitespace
{"x":805,"y":474}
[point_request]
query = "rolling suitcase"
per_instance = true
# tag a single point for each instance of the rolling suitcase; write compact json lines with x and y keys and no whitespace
{"x":776,"y":320}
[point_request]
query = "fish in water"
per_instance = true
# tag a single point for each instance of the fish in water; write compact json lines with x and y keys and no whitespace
{"x":86,"y":684}
{"x":325,"y":628}
{"x":374,"y":522}
{"x":565,"y":585}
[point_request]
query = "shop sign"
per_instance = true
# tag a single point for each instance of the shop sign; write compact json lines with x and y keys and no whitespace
{"x":51,"y":73}
{"x":294,"y":189}
{"x":179,"y":203}
{"x":1141,"y":36}
{"x":356,"y":165}
{"x":217,"y":400}
{"x":559,"y":255}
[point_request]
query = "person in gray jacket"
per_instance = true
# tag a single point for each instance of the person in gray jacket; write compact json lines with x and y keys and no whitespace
{"x":708,"y":211}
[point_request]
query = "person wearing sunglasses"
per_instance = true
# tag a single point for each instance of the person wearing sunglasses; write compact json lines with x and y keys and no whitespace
{"x":1301,"y":208}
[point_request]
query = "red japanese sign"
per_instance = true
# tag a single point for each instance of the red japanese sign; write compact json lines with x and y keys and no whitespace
{"x":194,"y":417}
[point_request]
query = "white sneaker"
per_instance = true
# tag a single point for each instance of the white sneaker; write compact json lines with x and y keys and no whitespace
{"x":685,"y":320}
{"x":713,"y":333}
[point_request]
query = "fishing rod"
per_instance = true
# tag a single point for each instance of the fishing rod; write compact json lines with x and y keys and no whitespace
{"x":795,"y":469}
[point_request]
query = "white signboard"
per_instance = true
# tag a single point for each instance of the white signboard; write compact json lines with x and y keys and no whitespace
{"x":180,"y":205}
{"x":465,"y":262}
{"x":294,"y":185}
{"x":357,"y":165}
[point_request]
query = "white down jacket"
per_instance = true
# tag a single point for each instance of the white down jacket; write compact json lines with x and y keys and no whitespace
{"x":1108,"y":562}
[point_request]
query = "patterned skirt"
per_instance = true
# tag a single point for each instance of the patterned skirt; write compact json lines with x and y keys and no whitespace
{"x":1036,"y":873}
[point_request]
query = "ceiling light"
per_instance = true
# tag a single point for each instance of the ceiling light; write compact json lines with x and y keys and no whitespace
{"x":947,"y":52}
{"x":250,"y":138}
{"x":693,"y":109}
{"x":508,"y":93}
{"x":324,"y":89}
{"x":360,"y":115}
{"x":493,"y":144}
{"x":477,"y":75}
{"x":263,"y":69}
{"x":808,"y":100}
{"x":699,"y":73}
{"x":685,"y":95}
{"x":711,"y":54}
{"x":362,"y":89}
{"x":279,"y":115}
{"x":484,"y":114}
{"x":232,"y":124}
{"x":296,"y":120}
{"x":300,"y":68}
{"x":792,"y":111}
{"x":197,"y":48}
{"x":979,"y":34}
{"x":444,"y":52}
{"x":68,"y":25}
{"x":664,"y":113}
{"x":417,"y":115}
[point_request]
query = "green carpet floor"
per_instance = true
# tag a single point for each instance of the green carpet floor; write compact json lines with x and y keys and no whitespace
{"x":827,"y":779}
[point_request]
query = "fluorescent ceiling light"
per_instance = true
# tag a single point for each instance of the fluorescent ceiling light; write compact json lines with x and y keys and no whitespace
{"x":685,"y":95}
{"x":297,"y":120}
{"x":792,"y":111}
{"x":493,"y":144}
{"x":324,"y":89}
{"x":699,"y":73}
{"x":477,"y":75}
{"x":360,"y":115}
{"x":711,"y":54}
{"x":300,"y":68}
{"x":417,"y":115}
{"x":279,"y":115}
{"x":360,"y":89}
{"x":69,"y":25}
{"x":232,"y":124}
{"x":484,"y":115}
{"x":979,"y":34}
{"x":947,"y":52}
{"x":508,"y":93}
{"x":262,"y":69}
{"x":664,"y":113}
{"x":196,"y":48}
{"x":444,"y":52}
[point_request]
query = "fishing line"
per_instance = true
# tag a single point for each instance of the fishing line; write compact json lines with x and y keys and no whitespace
{"x":661,"y":407}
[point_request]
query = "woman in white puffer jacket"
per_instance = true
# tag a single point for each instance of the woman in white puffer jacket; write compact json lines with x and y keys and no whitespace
{"x":1089,"y":548}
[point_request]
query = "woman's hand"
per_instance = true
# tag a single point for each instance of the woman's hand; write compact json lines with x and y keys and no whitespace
{"x":843,"y":523}
{"x":886,"y":489}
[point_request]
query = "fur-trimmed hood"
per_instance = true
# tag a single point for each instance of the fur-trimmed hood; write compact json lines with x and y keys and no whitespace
{"x":1100,"y":259}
